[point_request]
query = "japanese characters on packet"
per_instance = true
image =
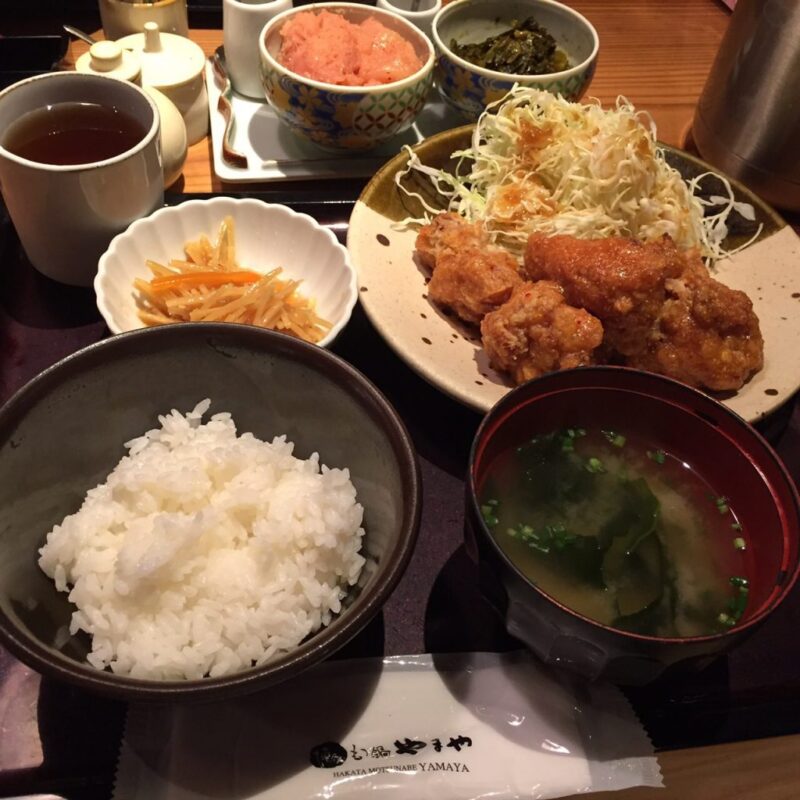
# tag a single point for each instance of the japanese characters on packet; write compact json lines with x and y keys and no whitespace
{"x":432,"y":727}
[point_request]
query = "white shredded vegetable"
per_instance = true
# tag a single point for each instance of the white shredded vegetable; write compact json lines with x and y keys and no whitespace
{"x":542,"y":164}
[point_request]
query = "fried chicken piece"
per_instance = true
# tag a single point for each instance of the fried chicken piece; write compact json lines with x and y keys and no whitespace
{"x":473,"y":281}
{"x":621,"y":281}
{"x":470,"y":275}
{"x":660,"y":308}
{"x":537,"y":332}
{"x":706,"y":334}
{"x":447,"y":233}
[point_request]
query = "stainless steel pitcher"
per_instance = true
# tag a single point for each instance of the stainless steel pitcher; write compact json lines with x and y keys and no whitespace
{"x":747,"y":121}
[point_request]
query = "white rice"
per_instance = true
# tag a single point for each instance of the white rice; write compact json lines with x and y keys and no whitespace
{"x":205,"y":552}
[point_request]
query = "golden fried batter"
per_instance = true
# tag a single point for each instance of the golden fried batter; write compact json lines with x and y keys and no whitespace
{"x":537,"y":332}
{"x":473,"y":281}
{"x":470,"y":276}
{"x":660,"y":308}
{"x":706,"y":334}
{"x":650,"y":305}
{"x":621,"y":281}
{"x":447,"y":233}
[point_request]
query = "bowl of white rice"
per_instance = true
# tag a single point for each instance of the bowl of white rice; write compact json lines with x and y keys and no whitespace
{"x":196,"y":511}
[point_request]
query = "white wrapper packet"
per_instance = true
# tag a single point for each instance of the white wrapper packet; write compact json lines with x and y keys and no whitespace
{"x":450,"y":727}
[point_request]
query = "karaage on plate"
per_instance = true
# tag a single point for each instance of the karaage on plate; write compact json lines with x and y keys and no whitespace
{"x":621,"y":281}
{"x":447,"y":233}
{"x":537,"y":332}
{"x":660,"y":308}
{"x":618,"y":300}
{"x":470,"y":276}
{"x":706,"y":333}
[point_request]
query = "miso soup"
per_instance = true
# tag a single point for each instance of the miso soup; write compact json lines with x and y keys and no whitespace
{"x":627,"y":535}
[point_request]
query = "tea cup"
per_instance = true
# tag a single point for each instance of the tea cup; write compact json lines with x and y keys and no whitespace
{"x":242,"y":22}
{"x":67,"y":213}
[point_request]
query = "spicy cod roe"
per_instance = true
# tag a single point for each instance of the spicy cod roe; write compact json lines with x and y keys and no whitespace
{"x":327,"y":47}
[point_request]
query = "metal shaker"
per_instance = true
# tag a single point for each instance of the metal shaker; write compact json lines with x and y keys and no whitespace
{"x":747,"y":121}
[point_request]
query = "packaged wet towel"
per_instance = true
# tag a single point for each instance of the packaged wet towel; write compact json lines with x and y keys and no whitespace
{"x":450,"y":727}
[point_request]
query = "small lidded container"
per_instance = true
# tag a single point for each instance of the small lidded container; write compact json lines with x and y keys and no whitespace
{"x":175,"y":66}
{"x":108,"y":58}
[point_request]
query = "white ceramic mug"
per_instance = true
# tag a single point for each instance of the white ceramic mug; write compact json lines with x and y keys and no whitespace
{"x":418,"y":12}
{"x":242,"y":22}
{"x":66,"y":215}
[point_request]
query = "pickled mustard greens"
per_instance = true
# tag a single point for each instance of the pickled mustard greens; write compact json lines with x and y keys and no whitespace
{"x":526,"y":49}
{"x":619,"y":532}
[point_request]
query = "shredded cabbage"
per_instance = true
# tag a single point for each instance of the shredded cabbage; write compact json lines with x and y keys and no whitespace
{"x":543,"y":164}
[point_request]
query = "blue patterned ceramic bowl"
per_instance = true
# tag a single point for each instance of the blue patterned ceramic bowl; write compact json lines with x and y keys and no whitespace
{"x":345,"y":117}
{"x":469,"y":88}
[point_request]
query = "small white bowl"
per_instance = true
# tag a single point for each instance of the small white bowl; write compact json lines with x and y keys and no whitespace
{"x":267,"y":236}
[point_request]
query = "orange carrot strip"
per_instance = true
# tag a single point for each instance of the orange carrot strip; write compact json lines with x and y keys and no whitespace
{"x":169,"y":283}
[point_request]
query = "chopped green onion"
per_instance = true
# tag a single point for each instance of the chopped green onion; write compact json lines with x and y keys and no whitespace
{"x":595,"y":465}
{"x":568,"y":438}
{"x":487,"y":512}
{"x":736,"y":604}
{"x":722,"y":505}
{"x":737,"y":526}
{"x":659,"y":456}
{"x":739,"y":543}
{"x":617,"y":439}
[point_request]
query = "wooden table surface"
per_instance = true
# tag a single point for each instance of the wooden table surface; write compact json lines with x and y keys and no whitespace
{"x":657,"y":53}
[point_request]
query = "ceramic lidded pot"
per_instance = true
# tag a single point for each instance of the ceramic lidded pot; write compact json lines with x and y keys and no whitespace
{"x":108,"y":58}
{"x":175,"y":66}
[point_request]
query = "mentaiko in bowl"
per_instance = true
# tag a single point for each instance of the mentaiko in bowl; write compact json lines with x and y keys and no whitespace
{"x":469,"y":88}
{"x":63,"y":432}
{"x":345,"y":117}
{"x":701,"y":434}
{"x":267,"y":236}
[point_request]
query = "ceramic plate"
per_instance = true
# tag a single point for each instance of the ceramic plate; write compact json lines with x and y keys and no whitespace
{"x":449,"y":354}
{"x":275,"y":153}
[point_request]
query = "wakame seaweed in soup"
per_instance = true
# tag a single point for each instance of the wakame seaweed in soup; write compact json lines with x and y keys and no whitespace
{"x":526,"y":49}
{"x":624,"y":534}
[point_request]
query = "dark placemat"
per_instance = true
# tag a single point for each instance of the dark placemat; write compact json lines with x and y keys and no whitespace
{"x":60,"y":739}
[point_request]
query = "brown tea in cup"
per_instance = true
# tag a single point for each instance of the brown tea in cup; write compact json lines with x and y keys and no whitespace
{"x":73,"y":133}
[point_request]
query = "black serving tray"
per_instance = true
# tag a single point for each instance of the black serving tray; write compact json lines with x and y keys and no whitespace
{"x":25,"y":56}
{"x":753,"y":692}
